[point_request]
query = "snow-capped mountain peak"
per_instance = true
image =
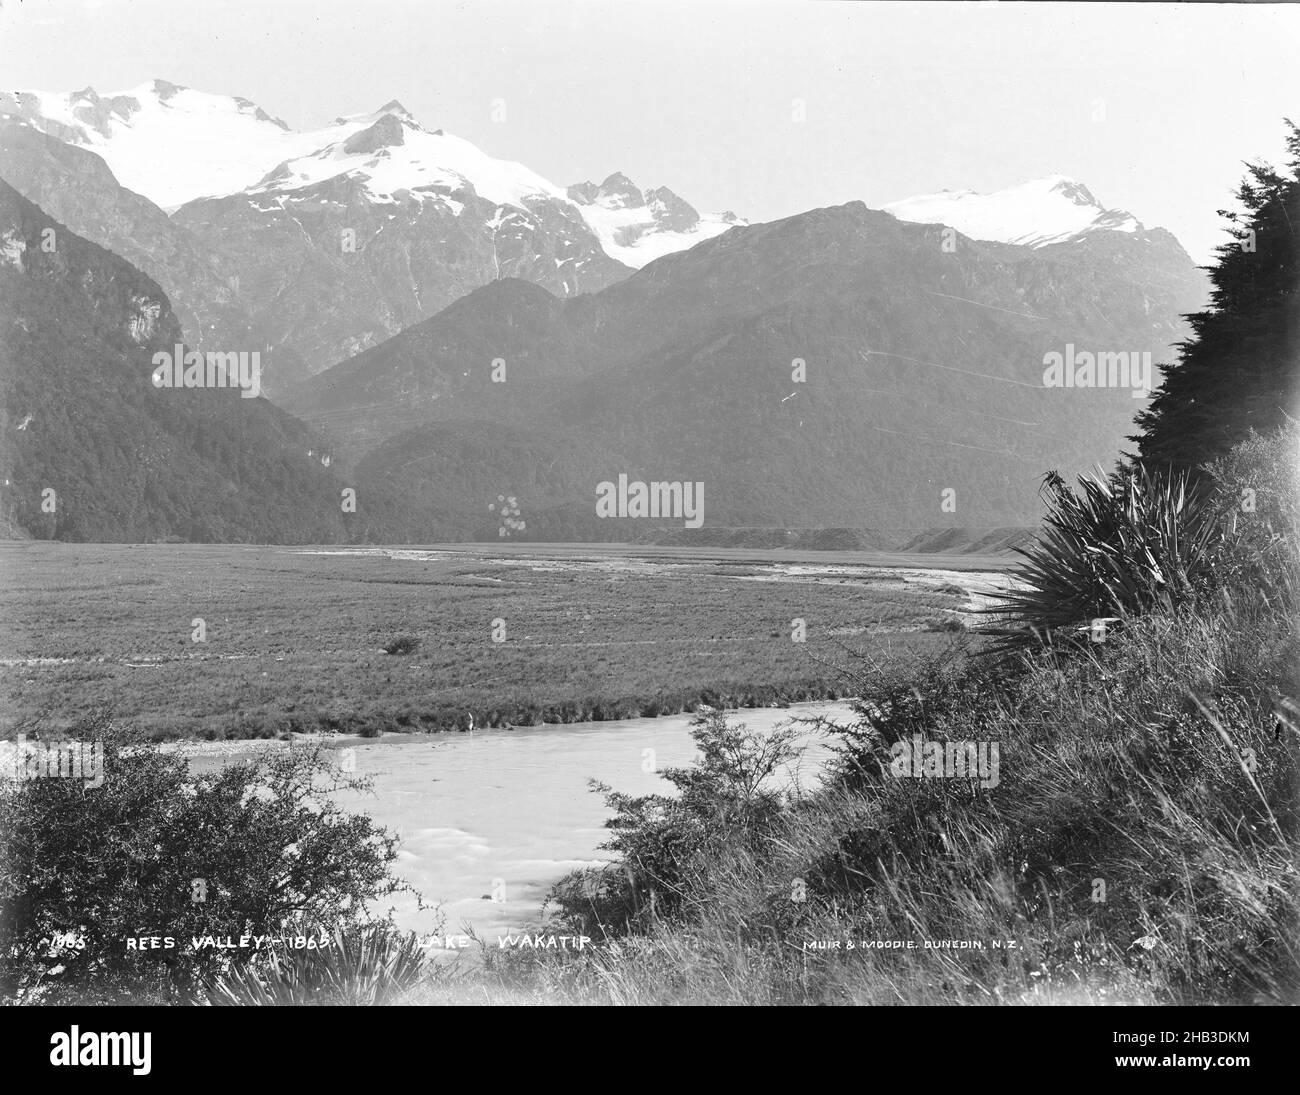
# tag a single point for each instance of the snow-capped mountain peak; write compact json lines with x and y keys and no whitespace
{"x":636,"y":227}
{"x":618,"y":192}
{"x":1034,"y":213}
{"x":174,"y":144}
{"x":389,"y":152}
{"x":165,"y":141}
{"x":391,"y":107}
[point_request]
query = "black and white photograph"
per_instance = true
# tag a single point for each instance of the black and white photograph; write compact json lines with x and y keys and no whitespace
{"x":643,"y":503}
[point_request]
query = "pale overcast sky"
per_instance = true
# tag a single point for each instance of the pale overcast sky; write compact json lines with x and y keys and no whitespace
{"x":1152,"y":106}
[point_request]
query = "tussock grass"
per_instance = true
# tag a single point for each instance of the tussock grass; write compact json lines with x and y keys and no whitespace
{"x":1123,"y":545}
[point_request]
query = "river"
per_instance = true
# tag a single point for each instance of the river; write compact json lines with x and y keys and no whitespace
{"x":490,"y":820}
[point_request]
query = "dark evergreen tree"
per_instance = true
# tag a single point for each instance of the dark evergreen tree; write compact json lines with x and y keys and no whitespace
{"x":1240,"y":367}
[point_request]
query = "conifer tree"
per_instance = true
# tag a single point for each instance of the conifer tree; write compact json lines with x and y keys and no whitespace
{"x":1239,"y":369}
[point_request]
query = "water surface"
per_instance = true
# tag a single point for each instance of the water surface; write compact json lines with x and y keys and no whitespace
{"x":511,"y":809}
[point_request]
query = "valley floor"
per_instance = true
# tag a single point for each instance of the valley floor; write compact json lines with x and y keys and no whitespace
{"x":239,"y":641}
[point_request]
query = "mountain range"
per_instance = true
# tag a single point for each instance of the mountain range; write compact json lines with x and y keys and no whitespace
{"x":476,"y":350}
{"x":839,"y":368}
{"x":333,"y":239}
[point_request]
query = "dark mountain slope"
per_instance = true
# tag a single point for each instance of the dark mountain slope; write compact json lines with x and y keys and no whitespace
{"x":125,"y":460}
{"x":332,"y":270}
{"x":924,"y":374}
{"x":76,"y":187}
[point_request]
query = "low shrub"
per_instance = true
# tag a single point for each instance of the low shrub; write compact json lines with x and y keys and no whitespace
{"x":402,"y":644}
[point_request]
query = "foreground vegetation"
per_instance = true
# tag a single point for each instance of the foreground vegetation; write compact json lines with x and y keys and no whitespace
{"x":131,"y":891}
